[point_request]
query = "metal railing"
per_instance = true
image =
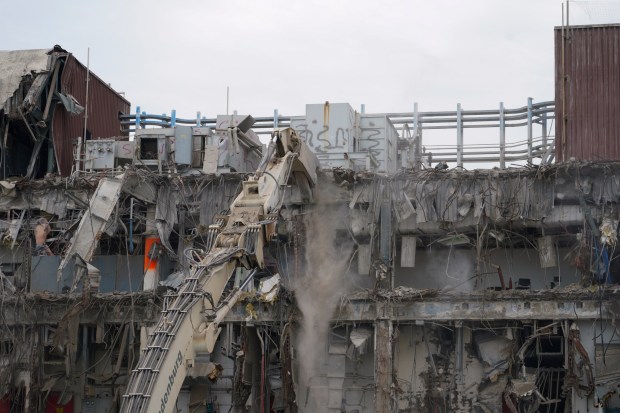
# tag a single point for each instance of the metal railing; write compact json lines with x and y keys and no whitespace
{"x":495,"y":149}
{"x":130,"y":123}
{"x":412,"y":126}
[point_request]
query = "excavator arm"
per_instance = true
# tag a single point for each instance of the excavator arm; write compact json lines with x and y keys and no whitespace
{"x":190,"y":318}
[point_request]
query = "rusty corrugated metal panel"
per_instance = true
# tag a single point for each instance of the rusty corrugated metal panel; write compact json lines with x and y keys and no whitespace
{"x":104,"y":106}
{"x":588,"y":104}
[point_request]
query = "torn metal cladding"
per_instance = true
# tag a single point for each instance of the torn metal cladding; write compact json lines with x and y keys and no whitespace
{"x":523,"y":197}
{"x":53,"y":197}
{"x":44,"y":108}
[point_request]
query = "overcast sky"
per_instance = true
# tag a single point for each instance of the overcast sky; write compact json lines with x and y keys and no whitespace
{"x":284,"y":54}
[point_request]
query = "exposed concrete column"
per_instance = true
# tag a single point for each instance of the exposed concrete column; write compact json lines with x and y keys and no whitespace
{"x":383,"y":365}
{"x":588,"y":332}
{"x":459,"y":353}
{"x":386,"y":240}
{"x":34,"y":376}
{"x":458,"y":404}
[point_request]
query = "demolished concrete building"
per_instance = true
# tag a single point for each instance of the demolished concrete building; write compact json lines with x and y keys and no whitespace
{"x":385,"y":280}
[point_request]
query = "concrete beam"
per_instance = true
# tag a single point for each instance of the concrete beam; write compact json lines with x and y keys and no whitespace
{"x":471,"y":310}
{"x":561,"y":216}
{"x":35,"y":311}
{"x":112,"y":310}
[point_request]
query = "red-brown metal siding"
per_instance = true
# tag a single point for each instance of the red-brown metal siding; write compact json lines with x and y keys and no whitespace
{"x":104,"y":105}
{"x":591,"y":96}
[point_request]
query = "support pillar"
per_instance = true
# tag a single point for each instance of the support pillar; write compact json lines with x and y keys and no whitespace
{"x":530,"y":121}
{"x":502,"y":136}
{"x":460,"y":354}
{"x":459,"y":136}
{"x":383,"y":365}
{"x":386,"y":240}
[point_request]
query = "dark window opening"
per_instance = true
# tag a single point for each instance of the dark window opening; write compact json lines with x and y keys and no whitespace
{"x":148,"y":148}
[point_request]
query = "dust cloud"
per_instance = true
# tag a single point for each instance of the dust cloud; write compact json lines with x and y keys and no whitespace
{"x":459,"y":269}
{"x":451,"y":268}
{"x":318,"y":291}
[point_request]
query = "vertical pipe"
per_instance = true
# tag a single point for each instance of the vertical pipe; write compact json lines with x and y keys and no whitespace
{"x":356,"y":130}
{"x":131,"y":225}
{"x":417,"y":138}
{"x":137,"y":117}
{"x":529,"y":130}
{"x":275,"y":119}
{"x":459,"y":136}
{"x":173,"y":118}
{"x":197,"y":118}
{"x":363,"y":108}
{"x":502,"y":136}
{"x":544,"y":131}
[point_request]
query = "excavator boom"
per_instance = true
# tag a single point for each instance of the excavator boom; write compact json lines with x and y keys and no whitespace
{"x":190,"y":318}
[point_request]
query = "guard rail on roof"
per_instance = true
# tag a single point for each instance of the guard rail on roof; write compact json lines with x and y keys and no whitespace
{"x":529,"y":145}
